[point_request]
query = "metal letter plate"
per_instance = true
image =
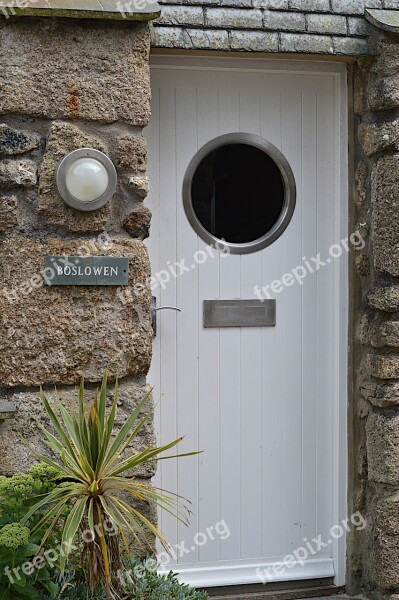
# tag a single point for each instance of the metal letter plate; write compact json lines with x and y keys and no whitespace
{"x":86,"y":270}
{"x":239,"y":313}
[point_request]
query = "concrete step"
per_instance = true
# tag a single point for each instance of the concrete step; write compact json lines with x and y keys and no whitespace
{"x":273,"y":596}
{"x":316,"y":593}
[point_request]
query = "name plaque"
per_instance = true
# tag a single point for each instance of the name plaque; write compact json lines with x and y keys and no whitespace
{"x":86,"y":270}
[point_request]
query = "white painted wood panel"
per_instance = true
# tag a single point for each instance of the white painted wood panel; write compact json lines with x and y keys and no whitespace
{"x":230,"y":378}
{"x":261,"y":403}
{"x":209,"y":359}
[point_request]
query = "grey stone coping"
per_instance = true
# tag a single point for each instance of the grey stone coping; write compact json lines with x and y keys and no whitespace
{"x":7,"y":410}
{"x":123,"y":10}
{"x":388,"y":20}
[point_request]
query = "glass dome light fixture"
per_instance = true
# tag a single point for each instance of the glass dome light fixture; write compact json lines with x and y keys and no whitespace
{"x":86,"y":179}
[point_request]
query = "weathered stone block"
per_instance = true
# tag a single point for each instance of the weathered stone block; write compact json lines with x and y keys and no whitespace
{"x":351,"y":7}
{"x":361,"y":184}
{"x":383,"y":448}
{"x":357,"y":26}
{"x":63,"y":138}
{"x":138,"y":223}
{"x":385,"y":214}
{"x":378,"y":138}
{"x":140,"y":186}
{"x":182,"y":15}
{"x":257,"y":41}
{"x":350,"y":45}
{"x":129,"y":396}
{"x":132,"y":152}
{"x":359,"y":96}
{"x":384,"y":298}
{"x":384,"y":558}
{"x":328,"y":24}
{"x":15,"y":457}
{"x":209,"y":39}
{"x":68,"y":70}
{"x":13,"y":141}
{"x":385,"y":334}
{"x":385,"y":53}
{"x":21,"y":173}
{"x":236,"y":3}
{"x":382,"y":366}
{"x":168,"y":37}
{"x":50,"y":335}
{"x":284,"y":21}
{"x":299,"y":42}
{"x":383,"y":92}
{"x":363,"y":330}
{"x":278,"y":4}
{"x":310,"y":5}
{"x":362,"y":263}
{"x":381,"y":394}
{"x":235,"y":18}
{"x":8,"y":213}
{"x":390,"y":4}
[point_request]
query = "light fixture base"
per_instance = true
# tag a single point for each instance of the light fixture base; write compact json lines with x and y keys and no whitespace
{"x":62,"y":171}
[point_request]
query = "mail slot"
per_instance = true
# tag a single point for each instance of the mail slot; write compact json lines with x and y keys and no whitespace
{"x":239,"y":313}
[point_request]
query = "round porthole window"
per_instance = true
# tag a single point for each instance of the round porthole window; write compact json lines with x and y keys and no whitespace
{"x":240,"y":189}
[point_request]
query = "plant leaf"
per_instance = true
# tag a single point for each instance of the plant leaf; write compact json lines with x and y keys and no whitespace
{"x":71,"y":526}
{"x":103,"y":401}
{"x":125,"y":429}
{"x":57,"y":424}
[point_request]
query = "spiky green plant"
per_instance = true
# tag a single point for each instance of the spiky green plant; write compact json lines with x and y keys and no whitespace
{"x":94,"y":490}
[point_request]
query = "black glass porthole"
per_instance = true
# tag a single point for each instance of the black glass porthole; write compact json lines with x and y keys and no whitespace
{"x":240,"y":189}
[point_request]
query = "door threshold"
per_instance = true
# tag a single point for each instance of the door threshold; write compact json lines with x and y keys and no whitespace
{"x":275,"y":592}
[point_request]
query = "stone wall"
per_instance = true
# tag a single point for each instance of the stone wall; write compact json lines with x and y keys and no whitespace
{"x":336,"y":27}
{"x":374,"y":553}
{"x":67,"y":84}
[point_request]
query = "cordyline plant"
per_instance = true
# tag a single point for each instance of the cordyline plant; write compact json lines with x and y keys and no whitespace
{"x":94,"y":492}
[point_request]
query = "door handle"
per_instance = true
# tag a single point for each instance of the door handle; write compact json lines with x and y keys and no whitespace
{"x":155,"y":309}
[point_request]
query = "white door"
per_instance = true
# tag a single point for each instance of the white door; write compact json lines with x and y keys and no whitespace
{"x":266,"y":405}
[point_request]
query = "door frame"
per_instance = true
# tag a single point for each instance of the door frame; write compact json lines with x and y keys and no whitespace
{"x":338,"y":71}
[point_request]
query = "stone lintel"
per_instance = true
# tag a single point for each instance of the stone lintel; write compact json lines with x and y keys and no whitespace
{"x":387,"y":20}
{"x":125,"y":10}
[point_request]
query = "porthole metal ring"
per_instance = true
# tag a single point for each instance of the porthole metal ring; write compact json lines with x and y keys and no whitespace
{"x":289,"y":192}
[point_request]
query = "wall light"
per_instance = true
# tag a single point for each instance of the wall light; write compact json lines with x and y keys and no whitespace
{"x":86,"y":179}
